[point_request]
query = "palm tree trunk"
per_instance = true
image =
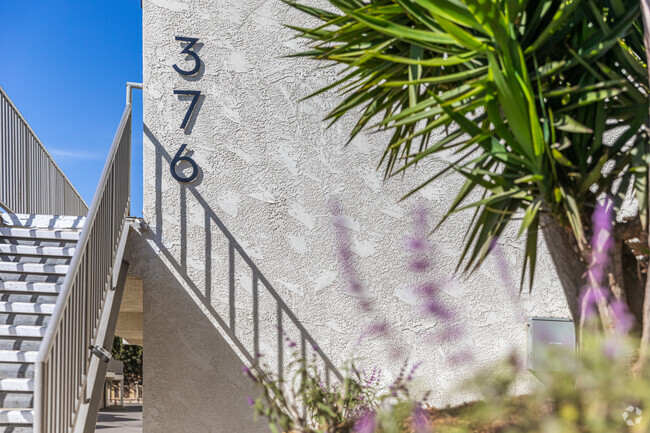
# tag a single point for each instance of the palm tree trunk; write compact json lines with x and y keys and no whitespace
{"x":571,"y":262}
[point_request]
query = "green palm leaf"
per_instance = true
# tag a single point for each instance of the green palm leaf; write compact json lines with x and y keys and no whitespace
{"x":548,"y":79}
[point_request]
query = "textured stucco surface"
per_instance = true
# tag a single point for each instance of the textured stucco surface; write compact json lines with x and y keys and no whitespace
{"x":269,"y":169}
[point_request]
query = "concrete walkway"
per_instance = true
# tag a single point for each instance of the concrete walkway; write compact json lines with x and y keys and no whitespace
{"x":122,"y":420}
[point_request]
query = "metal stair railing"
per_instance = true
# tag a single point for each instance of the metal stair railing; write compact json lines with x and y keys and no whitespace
{"x":30,"y":181}
{"x":61,"y":377}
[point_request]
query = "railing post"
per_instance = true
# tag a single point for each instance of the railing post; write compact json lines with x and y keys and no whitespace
{"x":84,"y":297}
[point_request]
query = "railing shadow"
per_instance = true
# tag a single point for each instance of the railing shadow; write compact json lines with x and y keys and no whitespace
{"x":235,"y":252}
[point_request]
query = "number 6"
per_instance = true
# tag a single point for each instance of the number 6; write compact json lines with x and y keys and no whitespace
{"x":187,"y":50}
{"x":178,"y":158}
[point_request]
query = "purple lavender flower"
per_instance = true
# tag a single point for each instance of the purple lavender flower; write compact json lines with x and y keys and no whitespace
{"x":374,"y":376}
{"x":588,"y":301}
{"x":420,"y":420}
{"x":448,"y":334}
{"x":418,"y":244}
{"x":435,"y":308}
{"x":601,"y":243}
{"x":375,"y":329}
{"x":414,"y":368}
{"x":365,"y":424}
{"x":419,"y":264}
{"x":602,"y":219}
{"x":249,"y":373}
{"x":350,"y":275}
{"x":624,"y":320}
{"x":427,"y":289}
{"x":461,"y":356}
{"x":250,"y":401}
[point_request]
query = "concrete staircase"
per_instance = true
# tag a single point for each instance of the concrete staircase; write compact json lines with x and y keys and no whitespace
{"x":35,"y":252}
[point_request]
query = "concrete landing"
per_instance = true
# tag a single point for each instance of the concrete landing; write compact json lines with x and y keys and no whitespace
{"x":123,"y":420}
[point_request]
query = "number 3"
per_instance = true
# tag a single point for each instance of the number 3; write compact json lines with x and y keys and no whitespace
{"x":178,"y":158}
{"x":188,"y":50}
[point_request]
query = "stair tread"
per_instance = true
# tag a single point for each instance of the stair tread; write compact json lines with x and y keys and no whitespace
{"x":21,"y":356}
{"x":43,"y":221}
{"x":21,"y":385}
{"x":36,"y":250}
{"x":33,"y":268}
{"x":26,"y":307}
{"x":29,"y":287}
{"x":22,"y":331}
{"x":17,"y":416}
{"x":37,"y":233}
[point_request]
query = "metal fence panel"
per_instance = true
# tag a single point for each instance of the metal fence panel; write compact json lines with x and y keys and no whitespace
{"x":30,"y":180}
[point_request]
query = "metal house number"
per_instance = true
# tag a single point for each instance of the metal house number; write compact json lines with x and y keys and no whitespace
{"x":195,"y":94}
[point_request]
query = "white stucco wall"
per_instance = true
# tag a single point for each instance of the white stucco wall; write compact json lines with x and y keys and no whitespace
{"x":269,"y":172}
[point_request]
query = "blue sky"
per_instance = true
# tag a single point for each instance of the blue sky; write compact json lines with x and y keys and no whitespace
{"x":65,"y":65}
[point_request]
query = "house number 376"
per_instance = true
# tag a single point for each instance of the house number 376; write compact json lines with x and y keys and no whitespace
{"x":194,"y":61}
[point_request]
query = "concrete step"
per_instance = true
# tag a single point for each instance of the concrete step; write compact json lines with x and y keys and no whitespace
{"x":25,"y":331}
{"x":38,"y":242}
{"x":17,"y":385}
{"x":35,"y":250}
{"x":43,"y":221}
{"x":32,"y":268}
{"x":18,"y":356}
{"x":17,"y":370}
{"x":35,"y":298}
{"x":16,"y":416}
{"x":41,"y":234}
{"x":24,"y":319}
{"x":29,"y":287}
{"x":11,"y":400}
{"x":19,"y":343}
{"x":42,"y":260}
{"x":16,"y":429}
{"x":26,"y":308}
{"x":32,"y":278}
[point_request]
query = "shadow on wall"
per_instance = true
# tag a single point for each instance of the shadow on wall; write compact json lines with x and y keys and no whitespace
{"x":193,"y":379}
{"x":263,"y":301}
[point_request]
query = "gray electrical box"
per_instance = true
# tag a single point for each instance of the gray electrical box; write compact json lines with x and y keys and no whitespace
{"x":551,"y":345}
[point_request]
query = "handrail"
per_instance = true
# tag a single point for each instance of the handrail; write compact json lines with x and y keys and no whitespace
{"x":61,"y":368}
{"x":30,"y":180}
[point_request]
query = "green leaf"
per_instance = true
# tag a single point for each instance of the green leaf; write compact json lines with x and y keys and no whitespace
{"x":530,"y":257}
{"x":455,"y":12}
{"x":399,"y":31}
{"x":530,"y":216}
{"x":446,"y":78}
{"x":563,"y":13}
{"x":415,"y":73}
{"x":569,"y":124}
{"x":463,"y":38}
{"x":518,"y":94}
{"x":559,"y":157}
{"x":434,"y":61}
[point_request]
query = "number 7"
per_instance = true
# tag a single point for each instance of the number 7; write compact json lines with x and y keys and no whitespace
{"x":195,"y":98}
